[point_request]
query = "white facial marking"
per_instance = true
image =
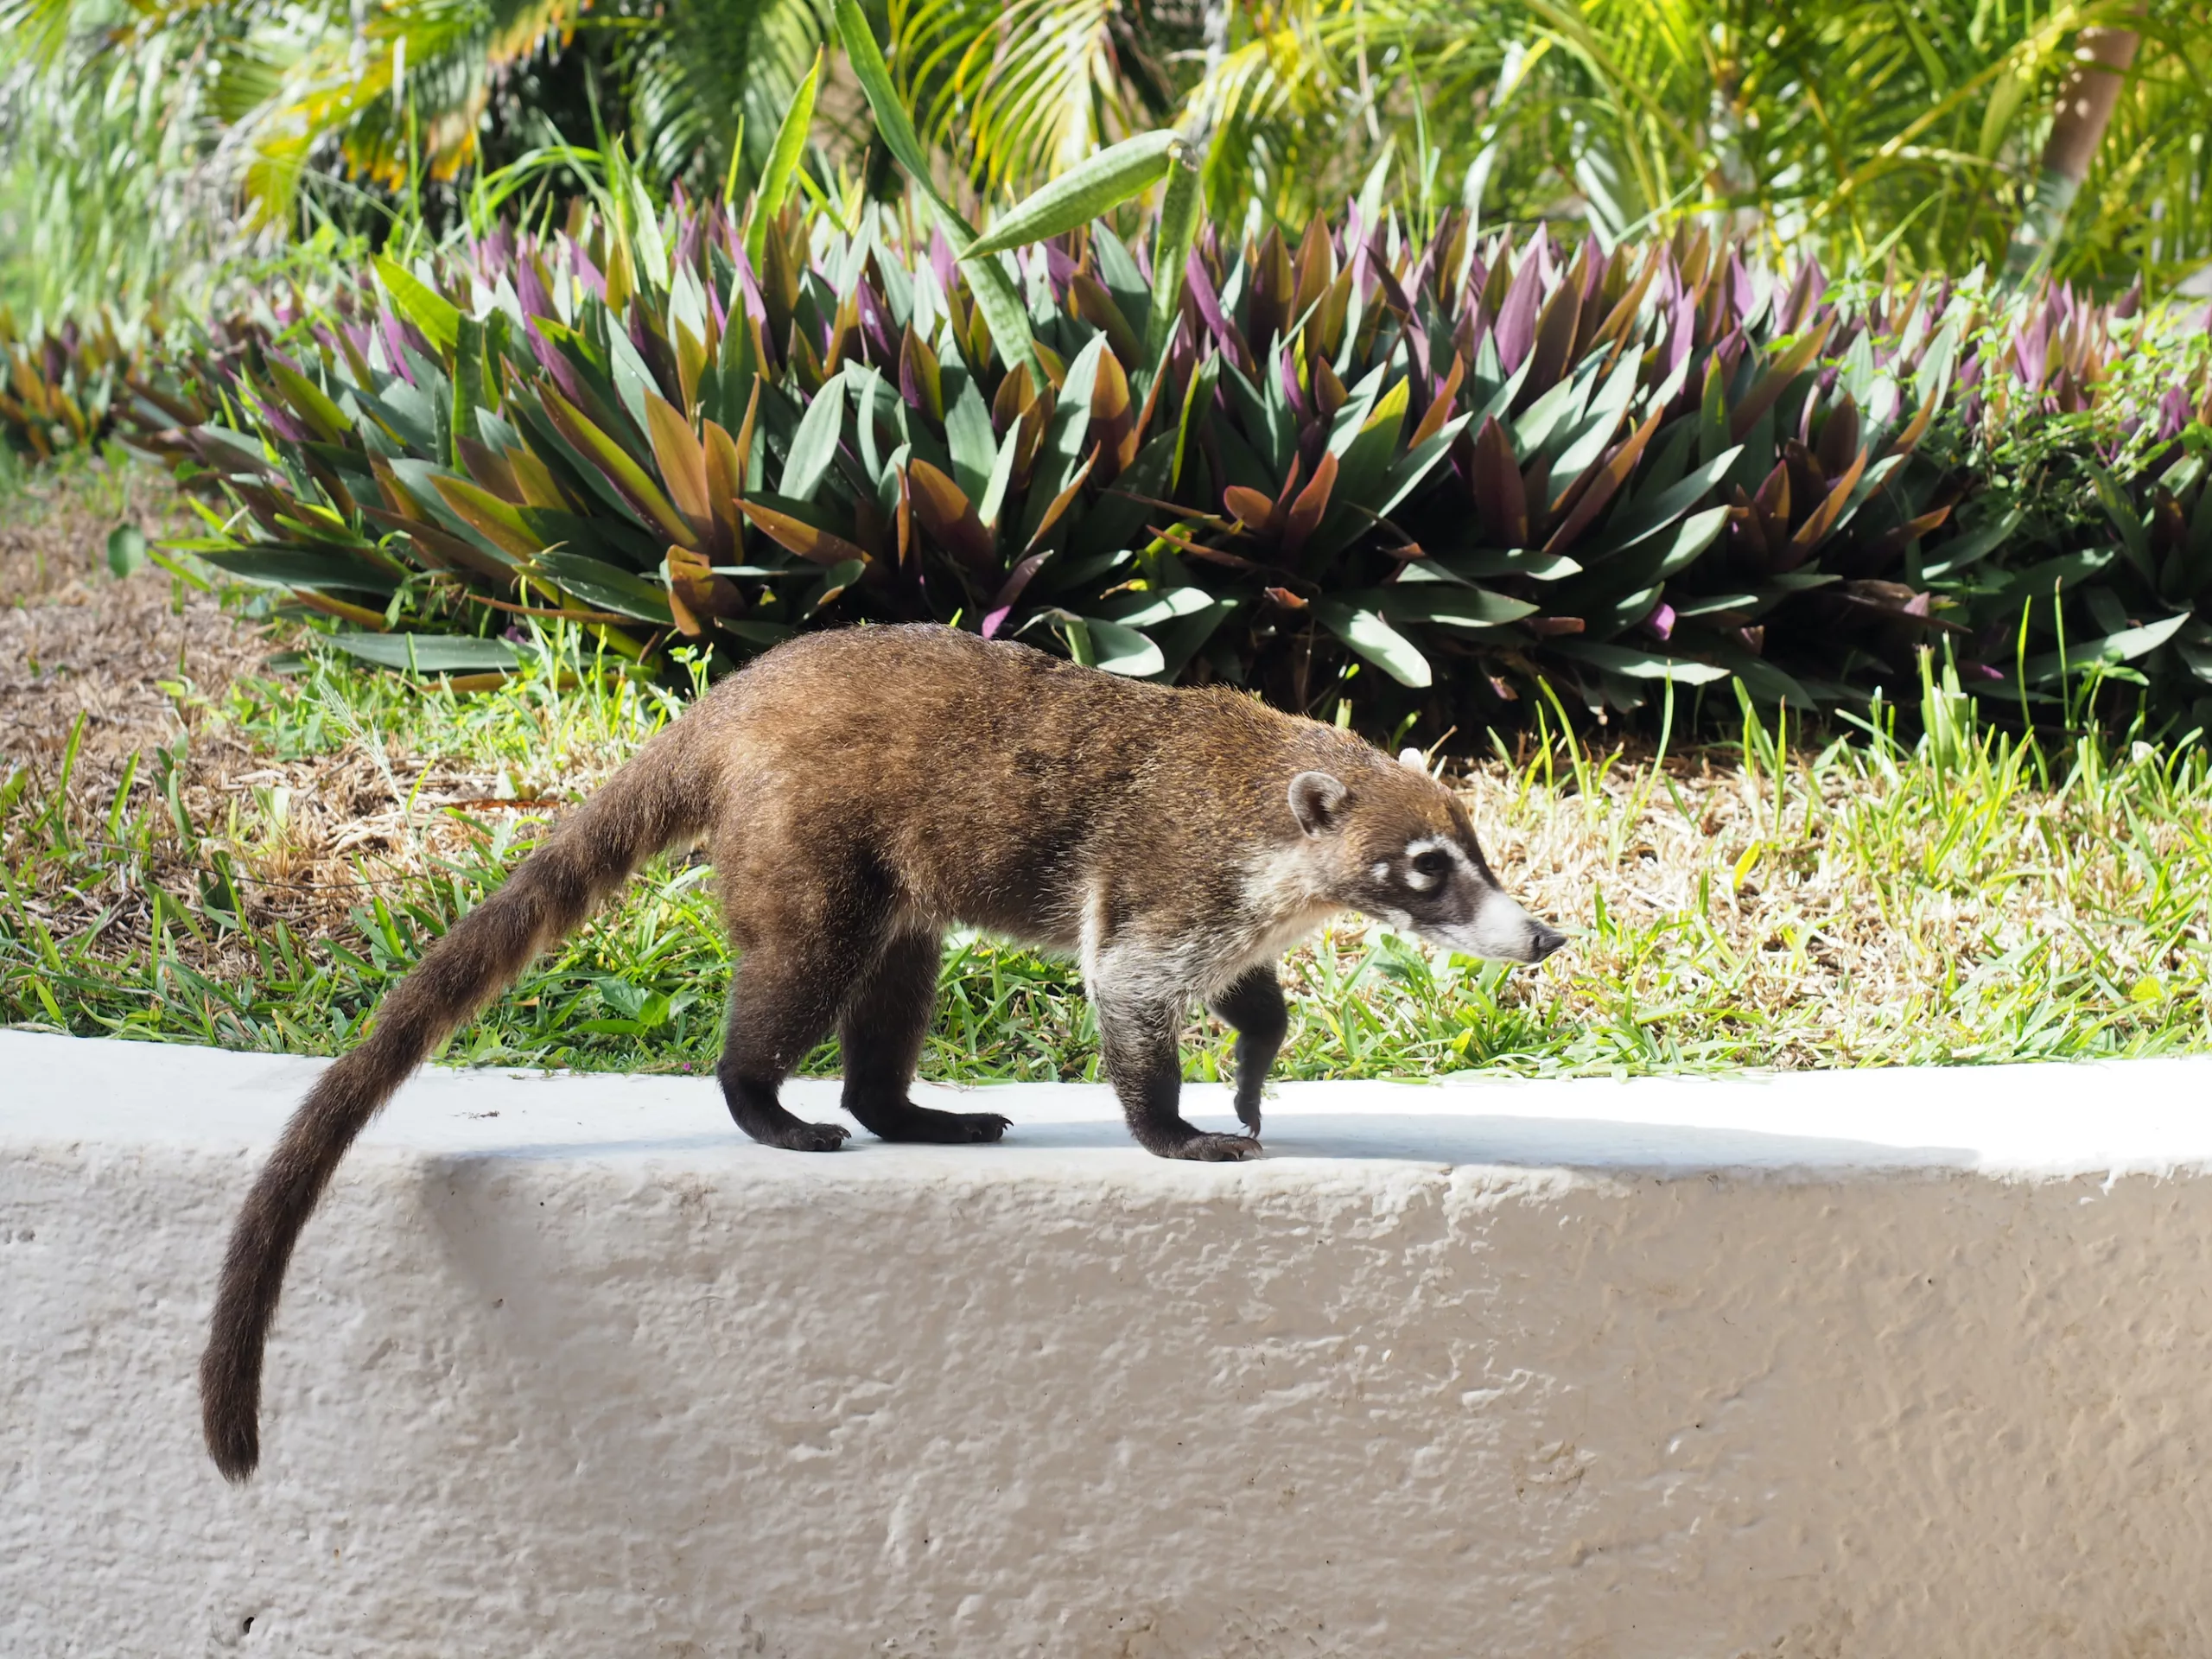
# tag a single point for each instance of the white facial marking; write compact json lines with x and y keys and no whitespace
{"x":1416,"y":878}
{"x":1501,"y":931}
{"x":1419,"y":880}
{"x":1382,"y":869}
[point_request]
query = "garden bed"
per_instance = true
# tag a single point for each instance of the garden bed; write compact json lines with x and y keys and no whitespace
{"x":1960,"y":901}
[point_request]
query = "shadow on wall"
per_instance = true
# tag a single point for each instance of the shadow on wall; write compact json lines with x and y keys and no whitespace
{"x":1454,"y":1139}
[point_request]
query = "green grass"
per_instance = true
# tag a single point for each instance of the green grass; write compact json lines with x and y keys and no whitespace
{"x":1965,"y":898}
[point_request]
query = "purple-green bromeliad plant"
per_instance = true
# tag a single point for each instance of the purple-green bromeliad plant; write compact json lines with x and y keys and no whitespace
{"x":1434,"y":478}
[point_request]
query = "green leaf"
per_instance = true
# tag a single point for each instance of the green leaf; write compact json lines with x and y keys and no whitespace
{"x":2134,"y":537}
{"x":994,"y":291}
{"x":1145,"y":608}
{"x":1265,"y":422}
{"x":611,"y":459}
{"x":603,"y":585}
{"x":1642,"y":517}
{"x":2123,"y":646}
{"x":839,"y":576}
{"x":783,"y":161}
{"x":469,"y":392}
{"x":1096,"y":643}
{"x":1407,"y":471}
{"x":297,"y":568}
{"x":310,"y":402}
{"x":893,"y":124}
{"x":1181,"y":213}
{"x":1069,"y":432}
{"x":1766,"y":683}
{"x":763,"y":634}
{"x":1002,"y":477}
{"x":1358,"y":405}
{"x":1971,"y":545}
{"x":1554,"y":411}
{"x":1366,"y":459}
{"x":1370,"y":193}
{"x":422,"y":305}
{"x":1491,"y":562}
{"x":1002,"y":310}
{"x":1376,"y":640}
{"x":1697,"y":533}
{"x":1180,"y":637}
{"x":1082,"y":193}
{"x":1443,"y":603}
{"x":1934,"y":377}
{"x":968,"y":435}
{"x":1713,"y":416}
{"x":1638,"y":665}
{"x":814,"y":447}
{"x":500,"y":522}
{"x":1602,"y":421}
{"x":1198,"y":402}
{"x":126,"y":548}
{"x":429,"y":653}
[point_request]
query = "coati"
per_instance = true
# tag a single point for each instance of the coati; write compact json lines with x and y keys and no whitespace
{"x":858,"y":793}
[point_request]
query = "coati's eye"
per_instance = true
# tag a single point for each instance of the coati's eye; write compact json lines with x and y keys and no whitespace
{"x":1435,"y":864}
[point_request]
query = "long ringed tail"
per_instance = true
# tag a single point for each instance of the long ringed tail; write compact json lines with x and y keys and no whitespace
{"x":658,"y":799}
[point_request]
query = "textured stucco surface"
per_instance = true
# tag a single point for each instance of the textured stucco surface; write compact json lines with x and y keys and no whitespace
{"x":1875,"y":1364}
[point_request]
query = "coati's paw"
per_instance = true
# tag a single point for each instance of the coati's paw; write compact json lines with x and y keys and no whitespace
{"x":1248,"y":1113}
{"x":813,"y":1137}
{"x":901,"y":1120}
{"x":928,"y":1127}
{"x":972,"y":1128}
{"x":1216,"y":1148}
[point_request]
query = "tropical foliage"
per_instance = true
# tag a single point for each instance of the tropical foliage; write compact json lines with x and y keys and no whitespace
{"x":106,"y":189}
{"x":1847,"y":130}
{"x":1435,"y":480}
{"x":62,"y":388}
{"x":317,"y":108}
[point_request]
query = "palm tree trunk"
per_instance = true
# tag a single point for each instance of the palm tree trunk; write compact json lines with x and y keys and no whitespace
{"x":2086,"y":99}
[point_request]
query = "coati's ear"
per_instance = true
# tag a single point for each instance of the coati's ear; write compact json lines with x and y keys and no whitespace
{"x":1316,"y":800}
{"x":1415,"y":759}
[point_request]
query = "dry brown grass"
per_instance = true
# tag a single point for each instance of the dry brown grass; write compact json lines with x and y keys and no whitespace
{"x":73,"y":640}
{"x":147,"y":662}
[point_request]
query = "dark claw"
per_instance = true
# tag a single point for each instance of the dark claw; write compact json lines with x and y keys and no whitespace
{"x":1219,"y":1148}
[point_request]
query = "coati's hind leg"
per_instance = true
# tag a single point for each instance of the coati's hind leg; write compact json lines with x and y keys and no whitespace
{"x":1136,"y":1038}
{"x":782,"y":1001}
{"x":881,"y":1030}
{"x":1253,"y":1005}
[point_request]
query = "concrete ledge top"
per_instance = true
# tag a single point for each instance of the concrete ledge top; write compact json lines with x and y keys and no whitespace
{"x":2011,"y":1121}
{"x":1848,"y":1365}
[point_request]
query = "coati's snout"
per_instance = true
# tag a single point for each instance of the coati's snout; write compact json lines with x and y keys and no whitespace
{"x":1399,"y":847}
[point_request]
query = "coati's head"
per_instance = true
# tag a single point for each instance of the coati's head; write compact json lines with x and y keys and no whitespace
{"x":1394,"y":843}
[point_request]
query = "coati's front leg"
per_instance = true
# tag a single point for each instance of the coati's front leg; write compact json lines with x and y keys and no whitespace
{"x":1253,"y":1005}
{"x":884,"y":1022}
{"x":1136,"y":1038}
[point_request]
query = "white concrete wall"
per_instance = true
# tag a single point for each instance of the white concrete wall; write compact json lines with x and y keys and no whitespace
{"x":1885,"y":1365}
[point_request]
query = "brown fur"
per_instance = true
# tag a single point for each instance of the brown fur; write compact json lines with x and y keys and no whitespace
{"x":861,"y":792}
